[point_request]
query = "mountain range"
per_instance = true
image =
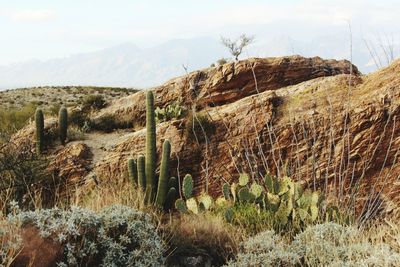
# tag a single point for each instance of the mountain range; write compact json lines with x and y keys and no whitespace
{"x":128,"y":65}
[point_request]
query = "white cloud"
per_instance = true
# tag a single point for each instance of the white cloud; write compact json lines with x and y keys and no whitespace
{"x":31,"y":15}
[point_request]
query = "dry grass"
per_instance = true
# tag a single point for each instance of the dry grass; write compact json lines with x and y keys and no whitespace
{"x":206,"y":235}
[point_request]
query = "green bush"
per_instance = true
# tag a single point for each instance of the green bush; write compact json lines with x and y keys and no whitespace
{"x":199,"y":127}
{"x":22,"y":171}
{"x":13,"y":119}
{"x":93,"y":102}
{"x":171,"y":111}
{"x":78,"y":118}
{"x":116,"y":236}
{"x":108,"y":123}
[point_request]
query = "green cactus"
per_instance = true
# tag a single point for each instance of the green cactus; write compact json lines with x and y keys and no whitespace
{"x":187,"y":186}
{"x":226,"y":191}
{"x":141,"y":172}
{"x":169,"y":201}
{"x":180,"y":205}
{"x":151,"y":156}
{"x":221,"y":202}
{"x":39,"y":121}
{"x":269,"y":183}
{"x":245,"y":195}
{"x":132,"y":171}
{"x":172,"y":182}
{"x":191,"y":205}
{"x":205,"y":201}
{"x":256,"y":190}
{"x":229,"y":215}
{"x":162,"y":189}
{"x":63,"y":124}
{"x":243,"y":179}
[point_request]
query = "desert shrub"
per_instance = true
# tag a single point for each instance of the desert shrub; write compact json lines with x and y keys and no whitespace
{"x":75,"y":133}
{"x":93,"y":102}
{"x":265,"y":249}
{"x":331,"y":244}
{"x":54,"y":109}
{"x":116,"y":236}
{"x":21,"y":172}
{"x":171,"y":111}
{"x":13,"y":119}
{"x":78,"y":118}
{"x":206,"y":236}
{"x":10,"y":242}
{"x":251,"y":218}
{"x":222,"y":61}
{"x":327,"y":244}
{"x":108,"y":123}
{"x":199,"y":127}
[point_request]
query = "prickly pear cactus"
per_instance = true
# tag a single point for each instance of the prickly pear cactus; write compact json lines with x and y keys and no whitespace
{"x":256,"y":190}
{"x":226,"y":191}
{"x":180,"y":205}
{"x":244,"y":179}
{"x":221,"y":202}
{"x":187,"y":186}
{"x":269,"y":182}
{"x":206,"y":201}
{"x":191,"y":205}
{"x":229,"y":215}
{"x":245,"y":195}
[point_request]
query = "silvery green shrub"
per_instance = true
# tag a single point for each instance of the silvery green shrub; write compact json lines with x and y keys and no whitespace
{"x":331,"y":244}
{"x":116,"y":236}
{"x":265,"y":249}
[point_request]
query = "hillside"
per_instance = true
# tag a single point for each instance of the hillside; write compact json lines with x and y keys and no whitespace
{"x":49,"y":96}
{"x":320,"y":122}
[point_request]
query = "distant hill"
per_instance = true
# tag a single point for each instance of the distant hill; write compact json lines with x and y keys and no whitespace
{"x":127,"y":65}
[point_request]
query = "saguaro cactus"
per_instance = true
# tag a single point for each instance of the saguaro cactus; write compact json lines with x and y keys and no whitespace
{"x":151,"y":157}
{"x":141,"y":172}
{"x":132,"y":171}
{"x":164,"y":175}
{"x":63,"y":124}
{"x":39,"y":121}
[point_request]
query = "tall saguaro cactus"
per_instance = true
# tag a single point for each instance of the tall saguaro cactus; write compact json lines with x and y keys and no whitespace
{"x":63,"y":124}
{"x":151,"y":157}
{"x":163,"y":180}
{"x":39,"y":121}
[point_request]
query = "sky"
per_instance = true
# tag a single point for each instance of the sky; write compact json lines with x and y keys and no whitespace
{"x":45,"y":29}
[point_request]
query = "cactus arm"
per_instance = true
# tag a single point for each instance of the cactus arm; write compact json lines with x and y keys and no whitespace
{"x":141,"y":172}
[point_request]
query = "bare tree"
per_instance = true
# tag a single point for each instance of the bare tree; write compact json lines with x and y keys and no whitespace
{"x":236,"y":46}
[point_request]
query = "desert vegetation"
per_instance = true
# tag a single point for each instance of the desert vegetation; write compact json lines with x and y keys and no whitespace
{"x":162,"y":195}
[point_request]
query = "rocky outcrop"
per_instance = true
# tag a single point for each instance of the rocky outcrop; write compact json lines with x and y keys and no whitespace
{"x":308,"y":118}
{"x":335,"y":130}
{"x":230,"y":82}
{"x":71,"y":164}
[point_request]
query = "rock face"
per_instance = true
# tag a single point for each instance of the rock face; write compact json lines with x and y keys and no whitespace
{"x":316,"y":120}
{"x":230,"y":82}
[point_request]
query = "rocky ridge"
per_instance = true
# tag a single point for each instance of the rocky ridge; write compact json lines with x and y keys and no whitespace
{"x":320,"y":121}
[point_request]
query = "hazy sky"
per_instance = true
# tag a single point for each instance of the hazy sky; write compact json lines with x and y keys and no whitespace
{"x":43,"y":29}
